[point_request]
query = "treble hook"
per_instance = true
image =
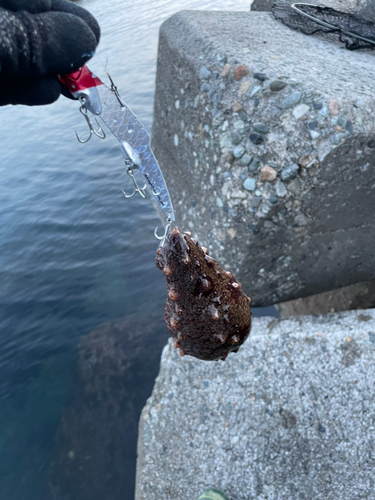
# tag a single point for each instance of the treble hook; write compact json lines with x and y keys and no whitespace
{"x":137,"y":189}
{"x":162,"y":238}
{"x":83,"y":111}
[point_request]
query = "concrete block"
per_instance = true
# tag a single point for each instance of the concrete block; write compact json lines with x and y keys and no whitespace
{"x":310,"y":230}
{"x":291,"y":416}
{"x":347,"y":298}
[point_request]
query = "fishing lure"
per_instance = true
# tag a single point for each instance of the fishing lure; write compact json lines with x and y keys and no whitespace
{"x":105,"y":102}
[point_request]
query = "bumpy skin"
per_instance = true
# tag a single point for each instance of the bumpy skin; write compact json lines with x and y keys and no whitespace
{"x":207,"y":314}
{"x":40,"y":39}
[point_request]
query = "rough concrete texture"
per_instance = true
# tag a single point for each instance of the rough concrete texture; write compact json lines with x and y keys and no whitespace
{"x":365,"y":9}
{"x":306,"y":110}
{"x":291,"y":416}
{"x":347,"y":298}
{"x":261,"y":5}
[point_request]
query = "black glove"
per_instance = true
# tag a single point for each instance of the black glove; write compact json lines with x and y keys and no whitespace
{"x":40,"y":39}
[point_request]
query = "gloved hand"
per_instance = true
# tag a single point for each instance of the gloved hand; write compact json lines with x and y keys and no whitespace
{"x":40,"y":39}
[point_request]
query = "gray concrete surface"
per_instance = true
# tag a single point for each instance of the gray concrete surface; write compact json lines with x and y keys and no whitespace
{"x":365,"y":9}
{"x":309,"y":230}
{"x":347,"y":298}
{"x":290,"y":417}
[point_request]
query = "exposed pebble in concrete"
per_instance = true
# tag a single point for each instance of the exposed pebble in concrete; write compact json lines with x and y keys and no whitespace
{"x":232,"y":232}
{"x":300,"y":110}
{"x":226,"y":70}
{"x":277,"y":85}
{"x":264,"y":208}
{"x":313,"y":125}
{"x":225,"y":141}
{"x":227,"y":157}
{"x":295,"y":187}
{"x":301,"y":220}
{"x":238,"y":194}
{"x":240,"y":71}
{"x":255,"y":202}
{"x":244,"y":87}
{"x":256,"y":138}
{"x":249,"y":184}
{"x":317,"y":105}
{"x":268,"y":174}
{"x":349,"y":127}
{"x":254,"y":164}
{"x":175,"y":140}
{"x":281,"y":191}
{"x":333,"y":107}
{"x":260,"y":76}
{"x":236,"y":137}
{"x":273,"y":199}
{"x":261,"y":128}
{"x":335,"y":139}
{"x":237,"y":107}
{"x":204,"y":73}
{"x":290,"y":101}
{"x":314,"y":134}
{"x":219,"y":202}
{"x":324,"y":111}
{"x":255,"y":90}
{"x":274,"y":112}
{"x":289,"y":172}
{"x":239,"y":125}
{"x":308,"y":161}
{"x":245,"y":160}
{"x":238,"y":151}
{"x":205,"y":87}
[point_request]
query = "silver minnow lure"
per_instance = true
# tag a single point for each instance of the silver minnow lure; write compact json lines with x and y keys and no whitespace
{"x":106,"y":103}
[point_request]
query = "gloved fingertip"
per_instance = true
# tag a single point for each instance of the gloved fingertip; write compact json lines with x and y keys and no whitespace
{"x":29,"y":91}
{"x":71,"y":8}
{"x":32,"y":6}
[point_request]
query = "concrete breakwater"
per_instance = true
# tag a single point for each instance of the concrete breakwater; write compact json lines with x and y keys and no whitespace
{"x":290,"y":416}
{"x":266,"y":138}
{"x":267,"y":141}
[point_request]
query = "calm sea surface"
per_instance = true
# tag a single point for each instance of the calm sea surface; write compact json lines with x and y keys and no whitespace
{"x":73,"y":253}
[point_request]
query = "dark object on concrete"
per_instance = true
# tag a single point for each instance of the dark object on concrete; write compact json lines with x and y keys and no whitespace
{"x":359,"y":296}
{"x":361,"y":8}
{"x":207,"y":313}
{"x":291,"y":416}
{"x":320,"y":234}
{"x":355,"y":32}
{"x":95,"y":449}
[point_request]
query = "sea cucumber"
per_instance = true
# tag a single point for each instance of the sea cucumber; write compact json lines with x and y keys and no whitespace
{"x":207,"y":313}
